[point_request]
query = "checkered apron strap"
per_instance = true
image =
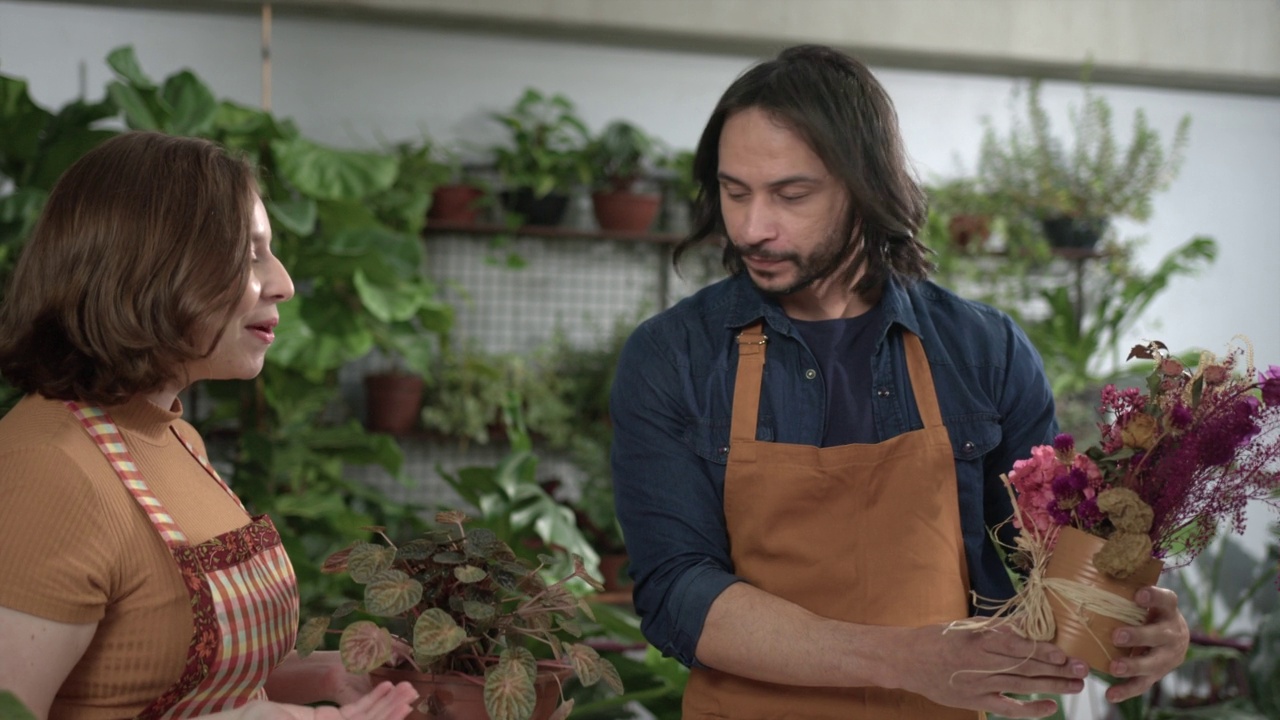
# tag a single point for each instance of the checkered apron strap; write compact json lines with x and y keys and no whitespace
{"x":207,"y":467}
{"x":104,"y":432}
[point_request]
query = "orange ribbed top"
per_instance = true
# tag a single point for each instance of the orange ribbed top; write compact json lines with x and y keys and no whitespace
{"x":75,"y":547}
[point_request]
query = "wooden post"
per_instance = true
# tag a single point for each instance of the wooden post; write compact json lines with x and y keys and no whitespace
{"x":266,"y":57}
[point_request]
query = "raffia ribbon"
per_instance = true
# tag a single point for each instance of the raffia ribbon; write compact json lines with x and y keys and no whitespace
{"x":1028,"y":612}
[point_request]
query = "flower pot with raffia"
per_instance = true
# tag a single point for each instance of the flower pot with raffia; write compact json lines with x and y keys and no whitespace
{"x":1173,"y":464}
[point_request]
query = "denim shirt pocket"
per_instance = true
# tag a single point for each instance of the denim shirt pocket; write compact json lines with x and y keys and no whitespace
{"x":973,"y":436}
{"x":709,"y":437}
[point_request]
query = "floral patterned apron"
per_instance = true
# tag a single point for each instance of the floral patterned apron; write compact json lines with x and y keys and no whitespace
{"x":864,"y":533}
{"x":244,"y":596}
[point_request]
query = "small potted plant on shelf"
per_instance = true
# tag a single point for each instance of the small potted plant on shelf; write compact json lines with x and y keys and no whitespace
{"x":620,"y":158}
{"x":969,"y":211}
{"x":462,"y":196}
{"x":471,"y":619}
{"x":1075,"y":188}
{"x":545,"y":159}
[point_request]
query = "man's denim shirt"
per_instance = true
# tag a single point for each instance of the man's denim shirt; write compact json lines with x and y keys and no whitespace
{"x":671,"y":408}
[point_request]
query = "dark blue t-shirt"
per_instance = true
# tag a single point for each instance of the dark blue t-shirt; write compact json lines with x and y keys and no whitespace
{"x":843,"y":348}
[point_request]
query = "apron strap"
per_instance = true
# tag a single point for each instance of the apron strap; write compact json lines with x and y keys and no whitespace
{"x":746,"y":390}
{"x":922,"y":381}
{"x":106,"y":435}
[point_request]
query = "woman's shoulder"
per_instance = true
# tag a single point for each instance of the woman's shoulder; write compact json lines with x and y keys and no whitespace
{"x":37,"y":421}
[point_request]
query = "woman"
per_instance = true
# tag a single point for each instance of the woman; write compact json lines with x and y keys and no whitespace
{"x":134,"y":582}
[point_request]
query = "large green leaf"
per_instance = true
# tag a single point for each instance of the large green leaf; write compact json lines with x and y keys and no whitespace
{"x":125,"y":63}
{"x":21,"y":124}
{"x":388,"y":303}
{"x":319,"y":333}
{"x":138,"y":108}
{"x":297,"y":216}
{"x":63,"y":150}
{"x":330,"y":174}
{"x":308,"y":505}
{"x":385,"y":255}
{"x":194,"y":106}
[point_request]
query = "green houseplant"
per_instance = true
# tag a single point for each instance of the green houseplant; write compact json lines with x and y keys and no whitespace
{"x":1073,"y":188}
{"x":620,"y":157}
{"x":545,"y":158}
{"x":471,"y":610}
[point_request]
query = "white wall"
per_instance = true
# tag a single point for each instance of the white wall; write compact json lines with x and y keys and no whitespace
{"x":350,"y":83}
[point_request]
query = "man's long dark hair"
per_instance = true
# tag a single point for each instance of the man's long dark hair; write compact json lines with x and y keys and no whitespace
{"x":844,"y":114}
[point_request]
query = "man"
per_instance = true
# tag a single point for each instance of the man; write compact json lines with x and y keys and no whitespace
{"x":807,"y":453}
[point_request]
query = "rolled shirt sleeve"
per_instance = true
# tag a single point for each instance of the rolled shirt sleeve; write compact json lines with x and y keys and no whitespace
{"x":669,"y":500}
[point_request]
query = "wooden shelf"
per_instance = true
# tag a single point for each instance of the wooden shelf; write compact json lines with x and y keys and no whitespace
{"x":556,"y":232}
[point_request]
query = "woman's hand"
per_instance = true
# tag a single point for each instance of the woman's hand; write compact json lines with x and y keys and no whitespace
{"x":384,"y":702}
{"x":1160,"y":645}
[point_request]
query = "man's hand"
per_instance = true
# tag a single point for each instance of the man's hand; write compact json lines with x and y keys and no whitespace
{"x":1160,"y":645}
{"x":974,"y":669}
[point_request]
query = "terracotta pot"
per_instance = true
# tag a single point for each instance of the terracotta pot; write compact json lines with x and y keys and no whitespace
{"x":1082,"y":633}
{"x":461,"y":697}
{"x":392,"y":402}
{"x":625,"y":211}
{"x":455,"y":204}
{"x":969,"y":230}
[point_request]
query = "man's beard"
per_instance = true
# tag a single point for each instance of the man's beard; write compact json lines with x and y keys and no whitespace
{"x":825,"y":260}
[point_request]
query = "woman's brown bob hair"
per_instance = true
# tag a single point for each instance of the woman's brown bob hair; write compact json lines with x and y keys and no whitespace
{"x":141,"y":253}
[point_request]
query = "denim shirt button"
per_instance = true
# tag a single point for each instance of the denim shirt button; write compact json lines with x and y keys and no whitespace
{"x":968,"y":446}
{"x":884,"y":392}
{"x":810,"y":374}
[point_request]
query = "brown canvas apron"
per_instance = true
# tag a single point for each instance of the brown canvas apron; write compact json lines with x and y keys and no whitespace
{"x":866,"y":534}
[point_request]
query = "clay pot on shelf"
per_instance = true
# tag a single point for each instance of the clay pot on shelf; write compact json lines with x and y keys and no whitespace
{"x":392,"y":402}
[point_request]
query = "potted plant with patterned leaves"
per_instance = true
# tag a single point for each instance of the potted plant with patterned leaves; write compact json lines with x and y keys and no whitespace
{"x":480,"y":632}
{"x":1075,"y":189}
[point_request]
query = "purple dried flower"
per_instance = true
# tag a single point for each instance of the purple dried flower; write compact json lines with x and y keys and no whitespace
{"x":1064,"y":443}
{"x":1270,"y":382}
{"x":1180,"y":416}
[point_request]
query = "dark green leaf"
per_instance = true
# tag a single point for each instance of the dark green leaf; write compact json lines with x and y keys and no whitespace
{"x":328,"y":174}
{"x":125,"y":63}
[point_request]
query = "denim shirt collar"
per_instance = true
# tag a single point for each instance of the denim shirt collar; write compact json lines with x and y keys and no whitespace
{"x":746,"y":304}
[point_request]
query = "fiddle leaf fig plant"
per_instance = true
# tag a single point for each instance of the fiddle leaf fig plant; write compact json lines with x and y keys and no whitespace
{"x":464,"y":603}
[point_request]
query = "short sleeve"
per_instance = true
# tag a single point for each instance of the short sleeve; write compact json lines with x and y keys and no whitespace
{"x":57,"y":552}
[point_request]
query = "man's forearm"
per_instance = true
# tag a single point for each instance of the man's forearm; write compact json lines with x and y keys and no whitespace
{"x":756,"y":635}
